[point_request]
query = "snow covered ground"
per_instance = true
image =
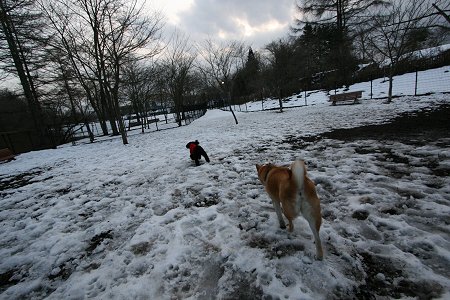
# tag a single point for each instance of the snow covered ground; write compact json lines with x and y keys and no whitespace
{"x":140,"y":221}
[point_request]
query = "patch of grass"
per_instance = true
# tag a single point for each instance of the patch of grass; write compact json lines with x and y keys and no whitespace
{"x":97,"y":240}
{"x":18,"y":181}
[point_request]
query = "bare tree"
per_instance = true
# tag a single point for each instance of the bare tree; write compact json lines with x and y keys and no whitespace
{"x":138,"y":90}
{"x":389,"y":41}
{"x":128,"y":32}
{"x":178,"y":63}
{"x":70,"y":32}
{"x":100,"y":37}
{"x":220,"y":65}
{"x":70,"y":90}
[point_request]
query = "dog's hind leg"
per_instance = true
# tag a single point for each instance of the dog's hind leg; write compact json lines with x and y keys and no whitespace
{"x":277,"y":207}
{"x":291,"y":225}
{"x":315,"y":230}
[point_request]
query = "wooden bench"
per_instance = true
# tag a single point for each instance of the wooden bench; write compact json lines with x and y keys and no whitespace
{"x":134,"y":124}
{"x":6,"y":154}
{"x":138,"y":123}
{"x":346,"y":97}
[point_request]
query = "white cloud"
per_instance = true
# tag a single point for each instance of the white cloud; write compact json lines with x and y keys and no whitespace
{"x":255,"y":22}
{"x":172,"y":9}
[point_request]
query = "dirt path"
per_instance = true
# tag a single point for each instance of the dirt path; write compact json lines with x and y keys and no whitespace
{"x":415,"y":128}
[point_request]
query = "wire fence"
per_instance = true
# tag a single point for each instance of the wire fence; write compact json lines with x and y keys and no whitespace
{"x":420,"y":82}
{"x":157,"y":120}
{"x":21,"y":141}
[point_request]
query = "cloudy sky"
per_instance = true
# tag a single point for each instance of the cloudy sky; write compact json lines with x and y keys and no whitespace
{"x":255,"y":22}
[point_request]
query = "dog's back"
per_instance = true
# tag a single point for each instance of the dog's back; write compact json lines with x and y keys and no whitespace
{"x":280,"y":183}
{"x":296,"y":193}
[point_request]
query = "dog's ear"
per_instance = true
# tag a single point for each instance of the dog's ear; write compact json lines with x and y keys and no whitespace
{"x":257,"y":167}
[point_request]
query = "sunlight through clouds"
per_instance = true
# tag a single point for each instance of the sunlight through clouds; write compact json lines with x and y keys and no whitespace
{"x":248,"y":30}
{"x":256,"y":22}
{"x":172,"y":9}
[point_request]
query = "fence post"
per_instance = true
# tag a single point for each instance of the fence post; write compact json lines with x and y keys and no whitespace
{"x":280,"y":100}
{"x":371,"y":87}
{"x":415,"y":85}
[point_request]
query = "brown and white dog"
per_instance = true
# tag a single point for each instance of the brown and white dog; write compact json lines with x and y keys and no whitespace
{"x":296,"y":193}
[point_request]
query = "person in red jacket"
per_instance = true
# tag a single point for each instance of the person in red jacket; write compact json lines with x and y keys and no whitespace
{"x":196,"y":152}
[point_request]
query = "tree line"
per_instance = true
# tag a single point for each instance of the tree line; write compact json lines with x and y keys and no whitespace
{"x":80,"y":60}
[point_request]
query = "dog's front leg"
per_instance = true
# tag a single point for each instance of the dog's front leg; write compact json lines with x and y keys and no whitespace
{"x":277,"y":207}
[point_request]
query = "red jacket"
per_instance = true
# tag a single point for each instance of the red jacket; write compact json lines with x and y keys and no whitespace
{"x":192,"y":147}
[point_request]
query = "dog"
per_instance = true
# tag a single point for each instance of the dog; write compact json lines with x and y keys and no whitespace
{"x":292,"y":193}
{"x":196,"y":152}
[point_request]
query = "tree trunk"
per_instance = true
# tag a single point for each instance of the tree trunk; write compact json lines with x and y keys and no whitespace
{"x":178,"y":99}
{"x":229,"y":102}
{"x":123,"y":132}
{"x":118,"y":117}
{"x":391,"y":82}
{"x":114,"y":97}
{"x":88,"y":128}
{"x":179,"y":118}
{"x":112,"y":114}
{"x":103,"y":126}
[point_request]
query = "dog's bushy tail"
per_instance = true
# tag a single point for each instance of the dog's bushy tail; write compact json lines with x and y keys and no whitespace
{"x":298,"y":169}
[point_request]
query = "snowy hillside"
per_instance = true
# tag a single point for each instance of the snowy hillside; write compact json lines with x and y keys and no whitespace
{"x":140,"y":221}
{"x":429,"y":81}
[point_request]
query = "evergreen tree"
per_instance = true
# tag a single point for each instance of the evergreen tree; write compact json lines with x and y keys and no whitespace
{"x":252,"y":64}
{"x":247,"y":79}
{"x":282,"y":75}
{"x":20,"y":39}
{"x":322,"y":53}
{"x":333,"y":22}
{"x":343,"y":14}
